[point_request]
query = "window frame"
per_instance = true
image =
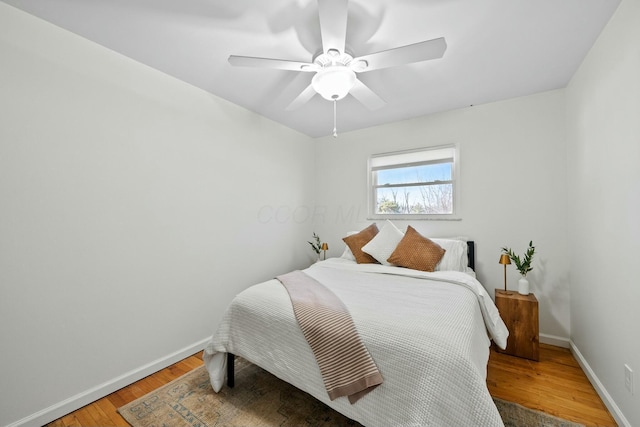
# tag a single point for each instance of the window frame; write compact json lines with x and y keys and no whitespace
{"x":372,"y":186}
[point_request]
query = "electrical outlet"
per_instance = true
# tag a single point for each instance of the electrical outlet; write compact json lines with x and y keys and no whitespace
{"x":628,"y":378}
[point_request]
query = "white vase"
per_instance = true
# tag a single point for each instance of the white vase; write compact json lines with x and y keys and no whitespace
{"x":523,"y":286}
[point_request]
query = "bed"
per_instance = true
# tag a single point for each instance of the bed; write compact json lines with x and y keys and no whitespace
{"x":428,"y":332}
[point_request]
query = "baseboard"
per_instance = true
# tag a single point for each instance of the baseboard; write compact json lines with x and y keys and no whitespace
{"x":602,"y":392}
{"x":60,"y":409}
{"x":555,"y":340}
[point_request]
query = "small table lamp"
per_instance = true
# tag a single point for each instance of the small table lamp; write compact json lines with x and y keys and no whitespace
{"x":324,"y":248}
{"x":504,"y":260}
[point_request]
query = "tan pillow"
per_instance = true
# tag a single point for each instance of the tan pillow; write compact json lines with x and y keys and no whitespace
{"x":357,"y":241}
{"x":417,"y":252}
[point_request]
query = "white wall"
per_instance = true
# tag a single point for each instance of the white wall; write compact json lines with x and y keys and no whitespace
{"x":603,"y":111}
{"x":133,"y":207}
{"x":512,"y":183}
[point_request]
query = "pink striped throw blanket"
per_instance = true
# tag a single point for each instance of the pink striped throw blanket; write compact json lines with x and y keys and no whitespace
{"x":345,"y":363}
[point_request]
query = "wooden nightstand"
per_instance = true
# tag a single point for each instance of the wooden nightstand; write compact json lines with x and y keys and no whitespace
{"x":520,"y":314}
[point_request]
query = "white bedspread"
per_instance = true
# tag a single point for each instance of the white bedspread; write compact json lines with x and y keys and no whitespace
{"x":427,"y":332}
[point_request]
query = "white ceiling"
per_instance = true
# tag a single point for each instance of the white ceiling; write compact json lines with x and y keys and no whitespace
{"x":497,"y":49}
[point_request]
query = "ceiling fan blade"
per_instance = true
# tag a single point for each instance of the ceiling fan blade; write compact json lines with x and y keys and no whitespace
{"x":333,"y":24}
{"x":366,"y":96}
{"x":280,"y":64}
{"x":301,"y":99}
{"x":417,"y":52}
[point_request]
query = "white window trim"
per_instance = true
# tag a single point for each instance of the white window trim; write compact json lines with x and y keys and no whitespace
{"x":371,"y":190}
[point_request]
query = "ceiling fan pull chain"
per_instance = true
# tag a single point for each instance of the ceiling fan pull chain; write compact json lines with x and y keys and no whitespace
{"x":335,"y":126}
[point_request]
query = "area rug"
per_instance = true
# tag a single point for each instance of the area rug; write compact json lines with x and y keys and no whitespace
{"x":261,"y":399}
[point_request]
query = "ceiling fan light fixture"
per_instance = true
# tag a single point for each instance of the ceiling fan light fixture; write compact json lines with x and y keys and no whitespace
{"x":334,"y":83}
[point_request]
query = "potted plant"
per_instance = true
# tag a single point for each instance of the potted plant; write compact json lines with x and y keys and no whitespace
{"x":523,"y":265}
{"x":316,"y":245}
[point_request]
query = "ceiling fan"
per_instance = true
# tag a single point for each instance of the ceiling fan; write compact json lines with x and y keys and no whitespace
{"x":335,"y":69}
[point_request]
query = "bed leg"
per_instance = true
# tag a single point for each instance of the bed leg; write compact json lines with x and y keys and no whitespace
{"x":230,"y":369}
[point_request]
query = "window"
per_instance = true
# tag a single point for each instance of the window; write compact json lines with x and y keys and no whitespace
{"x":417,"y":183}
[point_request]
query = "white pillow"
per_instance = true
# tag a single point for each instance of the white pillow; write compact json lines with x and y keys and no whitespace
{"x":456,"y":256}
{"x":384,"y":243}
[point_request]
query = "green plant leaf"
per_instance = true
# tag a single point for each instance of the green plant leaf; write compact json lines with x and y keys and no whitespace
{"x":522,"y":265}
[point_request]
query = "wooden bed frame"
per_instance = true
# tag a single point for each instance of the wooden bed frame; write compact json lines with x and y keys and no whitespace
{"x":471,"y":255}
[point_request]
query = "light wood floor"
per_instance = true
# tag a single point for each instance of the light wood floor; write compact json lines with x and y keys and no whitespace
{"x":555,"y":385}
